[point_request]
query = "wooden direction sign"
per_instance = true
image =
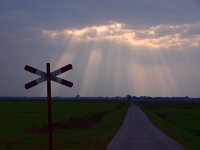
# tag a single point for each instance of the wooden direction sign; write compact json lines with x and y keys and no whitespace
{"x":48,"y":76}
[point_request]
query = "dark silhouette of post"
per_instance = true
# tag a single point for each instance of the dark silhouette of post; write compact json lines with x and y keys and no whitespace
{"x":48,"y":76}
{"x":49,"y":106}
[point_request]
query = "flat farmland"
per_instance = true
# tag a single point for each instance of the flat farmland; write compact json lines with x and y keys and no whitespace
{"x":76,"y":125}
{"x":181,"y":121}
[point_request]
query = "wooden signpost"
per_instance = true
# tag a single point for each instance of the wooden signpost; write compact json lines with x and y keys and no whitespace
{"x":48,"y":76}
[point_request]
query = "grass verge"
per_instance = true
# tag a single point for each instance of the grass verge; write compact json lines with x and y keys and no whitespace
{"x":179,"y":121}
{"x":77,"y":125}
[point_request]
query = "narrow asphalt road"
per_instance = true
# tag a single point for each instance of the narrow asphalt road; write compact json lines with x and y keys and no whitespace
{"x":138,"y":133}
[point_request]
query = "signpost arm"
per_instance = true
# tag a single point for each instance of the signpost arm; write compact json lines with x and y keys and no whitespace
{"x":49,"y":106}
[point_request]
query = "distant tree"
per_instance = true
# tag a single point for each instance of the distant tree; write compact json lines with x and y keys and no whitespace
{"x":78,"y":96}
{"x":128,"y":98}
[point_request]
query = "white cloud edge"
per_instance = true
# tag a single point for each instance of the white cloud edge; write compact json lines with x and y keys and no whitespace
{"x":155,"y":37}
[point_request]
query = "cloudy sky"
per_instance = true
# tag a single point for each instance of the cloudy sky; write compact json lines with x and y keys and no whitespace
{"x":116,"y":47}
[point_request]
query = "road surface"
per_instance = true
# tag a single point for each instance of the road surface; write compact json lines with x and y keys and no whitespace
{"x":138,"y":133}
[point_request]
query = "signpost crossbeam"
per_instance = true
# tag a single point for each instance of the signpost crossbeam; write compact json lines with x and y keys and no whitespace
{"x":61,"y":70}
{"x":62,"y":81}
{"x":35,"y":82}
{"x":34,"y":70}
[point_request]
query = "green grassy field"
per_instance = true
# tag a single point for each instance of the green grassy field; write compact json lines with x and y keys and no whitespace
{"x":78,"y":125}
{"x":179,"y":121}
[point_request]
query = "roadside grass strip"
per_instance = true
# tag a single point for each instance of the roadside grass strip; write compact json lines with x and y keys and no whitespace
{"x":76,"y":125}
{"x":179,"y":121}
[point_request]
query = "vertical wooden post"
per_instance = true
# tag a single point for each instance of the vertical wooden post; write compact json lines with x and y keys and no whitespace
{"x":49,"y":106}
